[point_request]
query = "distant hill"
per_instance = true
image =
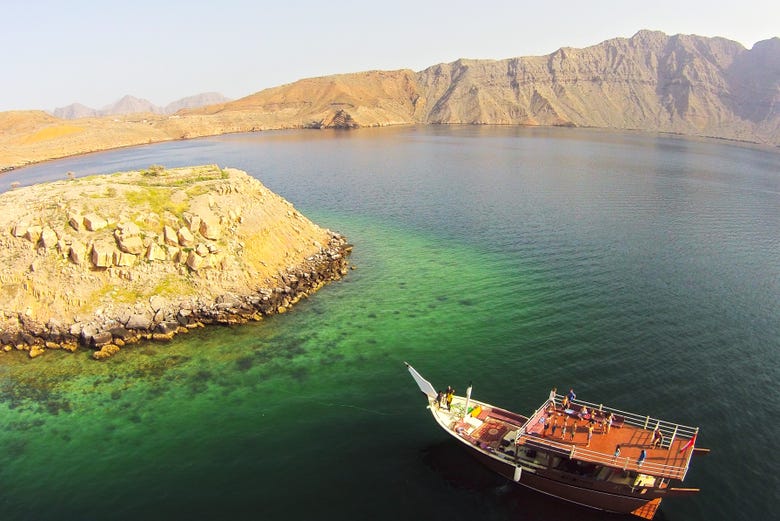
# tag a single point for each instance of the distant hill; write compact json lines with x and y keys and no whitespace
{"x":682,"y":84}
{"x":132,"y":105}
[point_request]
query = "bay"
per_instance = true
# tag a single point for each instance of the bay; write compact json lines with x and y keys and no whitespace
{"x":643,"y":270}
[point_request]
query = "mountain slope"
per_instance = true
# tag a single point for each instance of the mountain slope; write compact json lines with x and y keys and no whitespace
{"x":652,"y":82}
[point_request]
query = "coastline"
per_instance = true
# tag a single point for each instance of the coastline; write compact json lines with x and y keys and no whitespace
{"x":6,"y":169}
{"x":160,"y":319}
{"x":108,"y":260}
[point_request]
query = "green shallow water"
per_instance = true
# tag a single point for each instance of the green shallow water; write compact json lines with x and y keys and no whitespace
{"x":642,"y":270}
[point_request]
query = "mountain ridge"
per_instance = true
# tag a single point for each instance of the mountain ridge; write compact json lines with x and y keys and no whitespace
{"x":128,"y":104}
{"x":680,"y":84}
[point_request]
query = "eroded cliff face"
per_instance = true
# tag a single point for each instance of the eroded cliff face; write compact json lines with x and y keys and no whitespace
{"x":681,"y":84}
{"x":105,"y":260}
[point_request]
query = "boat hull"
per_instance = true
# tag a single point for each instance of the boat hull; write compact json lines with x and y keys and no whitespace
{"x":600,"y":500}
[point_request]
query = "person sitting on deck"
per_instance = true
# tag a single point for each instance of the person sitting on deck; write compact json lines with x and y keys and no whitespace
{"x":584,"y":413}
{"x":658,"y":438}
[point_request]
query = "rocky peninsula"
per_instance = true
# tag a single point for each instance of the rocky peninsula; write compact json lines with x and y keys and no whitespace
{"x":105,"y":261}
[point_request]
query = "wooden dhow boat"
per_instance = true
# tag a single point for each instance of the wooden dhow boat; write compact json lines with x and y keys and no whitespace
{"x":605,"y":458}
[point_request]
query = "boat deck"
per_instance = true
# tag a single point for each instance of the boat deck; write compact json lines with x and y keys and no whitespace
{"x":495,"y":430}
{"x":667,"y":460}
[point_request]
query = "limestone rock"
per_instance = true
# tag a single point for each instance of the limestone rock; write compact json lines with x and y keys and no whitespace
{"x":139,"y":322}
{"x":132,"y":244}
{"x":123,"y":259}
{"x":33,"y":233}
{"x":48,"y":238}
{"x":94,"y":222}
{"x":155,"y":252}
{"x":185,"y":237}
{"x":77,"y":253}
{"x":210,"y":227}
{"x":202,"y":250}
{"x":169,"y":236}
{"x":102,"y":254}
{"x":195,"y":261}
{"x":192,"y":221}
{"x":19,"y":229}
{"x":128,"y":229}
{"x":76,"y":221}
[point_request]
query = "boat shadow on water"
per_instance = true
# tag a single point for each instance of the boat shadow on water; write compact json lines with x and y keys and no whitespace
{"x":462,"y":472}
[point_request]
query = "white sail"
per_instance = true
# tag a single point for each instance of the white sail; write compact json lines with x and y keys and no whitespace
{"x":424,"y":385}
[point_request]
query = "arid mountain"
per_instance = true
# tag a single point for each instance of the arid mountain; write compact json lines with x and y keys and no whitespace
{"x":653,"y":82}
{"x":132,"y":105}
{"x":198,"y":100}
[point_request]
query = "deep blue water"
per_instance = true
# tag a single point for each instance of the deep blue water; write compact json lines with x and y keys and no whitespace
{"x":643,"y":270}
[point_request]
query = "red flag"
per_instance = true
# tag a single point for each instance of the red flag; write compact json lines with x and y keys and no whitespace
{"x":689,"y":444}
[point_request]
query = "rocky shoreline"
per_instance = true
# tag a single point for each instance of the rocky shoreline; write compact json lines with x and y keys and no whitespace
{"x":160,"y":319}
{"x":107,"y":261}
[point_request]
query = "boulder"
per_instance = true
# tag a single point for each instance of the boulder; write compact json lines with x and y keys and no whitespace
{"x":185,"y":237}
{"x":128,"y":229}
{"x":192,"y":221}
{"x":210,"y":227}
{"x":76,"y":221}
{"x":102,"y":255}
{"x":93,"y":222}
{"x":123,"y":259}
{"x":48,"y":238}
{"x":155,"y":252}
{"x":139,"y":322}
{"x":169,"y":236}
{"x":20,"y":229}
{"x":202,"y":250}
{"x":195,"y":261}
{"x":77,"y":253}
{"x":130,"y":244}
{"x":33,"y":233}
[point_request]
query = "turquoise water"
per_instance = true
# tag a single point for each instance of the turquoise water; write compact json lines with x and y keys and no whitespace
{"x":643,"y":270}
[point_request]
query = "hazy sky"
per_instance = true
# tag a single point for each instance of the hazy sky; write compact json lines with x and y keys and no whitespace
{"x":93,"y":52}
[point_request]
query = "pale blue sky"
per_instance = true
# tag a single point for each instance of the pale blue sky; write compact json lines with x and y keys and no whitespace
{"x":58,"y":52}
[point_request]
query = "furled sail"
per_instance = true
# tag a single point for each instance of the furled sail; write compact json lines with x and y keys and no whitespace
{"x":424,"y":385}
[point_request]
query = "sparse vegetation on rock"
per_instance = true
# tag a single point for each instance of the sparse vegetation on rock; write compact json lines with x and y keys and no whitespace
{"x":91,"y":262}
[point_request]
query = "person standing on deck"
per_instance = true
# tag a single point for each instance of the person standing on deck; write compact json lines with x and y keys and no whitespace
{"x":565,"y":425}
{"x":609,"y":421}
{"x":554,"y":425}
{"x":450,"y":395}
{"x":574,"y":429}
{"x":642,"y":458}
{"x":617,"y":452}
{"x":590,"y":433}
